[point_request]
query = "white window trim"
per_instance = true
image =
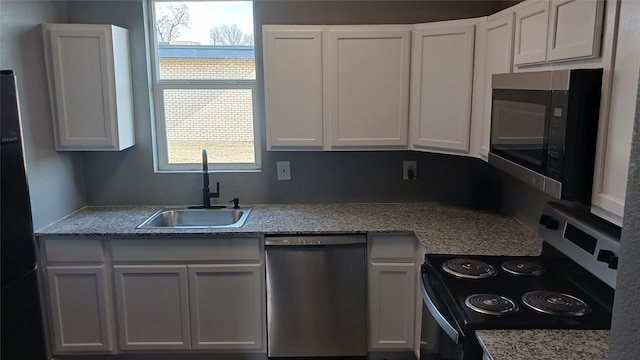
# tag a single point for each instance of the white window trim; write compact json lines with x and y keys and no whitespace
{"x":159,"y":130}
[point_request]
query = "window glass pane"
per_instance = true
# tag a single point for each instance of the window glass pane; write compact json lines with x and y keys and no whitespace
{"x":219,"y":69}
{"x":219,"y":120}
{"x":205,"y":40}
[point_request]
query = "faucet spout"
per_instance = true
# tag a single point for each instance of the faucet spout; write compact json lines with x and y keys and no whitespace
{"x":206,"y":192}
{"x":205,"y":169}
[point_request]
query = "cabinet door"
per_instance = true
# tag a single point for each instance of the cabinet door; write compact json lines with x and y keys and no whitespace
{"x":614,"y":144}
{"x":499,"y":50}
{"x":369,"y":86}
{"x":574,"y":29}
{"x":293,"y":88}
{"x":152,"y":307}
{"x":83,"y":75}
{"x":392,"y":305}
{"x":441,"y":87}
{"x":531,"y":33}
{"x":227,"y":310}
{"x":78,"y":309}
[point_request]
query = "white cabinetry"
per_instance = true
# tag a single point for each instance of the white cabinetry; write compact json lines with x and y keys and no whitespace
{"x":614,"y":144}
{"x":369,"y":86}
{"x":532,"y":23}
{"x":90,"y":89}
{"x":205,"y":294}
{"x":557,"y":30}
{"x":441,"y":86}
{"x":575,"y":27}
{"x":293,"y":76}
{"x":336,"y":87}
{"x":77,"y":295}
{"x":153,"y":307}
{"x":499,"y":55}
{"x":392,"y":292}
{"x":226,"y":304}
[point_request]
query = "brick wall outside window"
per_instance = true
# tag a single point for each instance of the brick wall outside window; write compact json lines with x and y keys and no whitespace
{"x":208,"y":115}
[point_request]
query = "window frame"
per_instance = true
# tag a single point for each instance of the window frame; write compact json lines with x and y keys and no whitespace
{"x":158,"y":86}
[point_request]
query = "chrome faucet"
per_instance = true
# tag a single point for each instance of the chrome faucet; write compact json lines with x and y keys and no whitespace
{"x":206,"y":193}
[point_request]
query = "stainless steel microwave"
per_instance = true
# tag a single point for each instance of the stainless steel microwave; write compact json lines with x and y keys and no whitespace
{"x":544,"y":127}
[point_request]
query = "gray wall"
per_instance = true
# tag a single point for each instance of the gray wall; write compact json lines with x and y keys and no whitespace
{"x":625,"y":334}
{"x":128,"y":178}
{"x":56,"y":179}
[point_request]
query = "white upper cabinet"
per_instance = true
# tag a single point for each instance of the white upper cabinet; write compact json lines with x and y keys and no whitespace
{"x":616,"y":130}
{"x":499,"y":60}
{"x":574,"y":29}
{"x":90,"y":89}
{"x":336,"y":87}
{"x":557,"y":30}
{"x":293,"y":76}
{"x":532,"y":23}
{"x":441,"y":86}
{"x":369,"y":86}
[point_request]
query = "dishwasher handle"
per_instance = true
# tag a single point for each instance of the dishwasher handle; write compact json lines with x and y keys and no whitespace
{"x":314,"y":240}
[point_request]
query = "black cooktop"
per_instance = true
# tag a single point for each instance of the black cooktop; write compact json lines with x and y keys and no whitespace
{"x":560,"y":275}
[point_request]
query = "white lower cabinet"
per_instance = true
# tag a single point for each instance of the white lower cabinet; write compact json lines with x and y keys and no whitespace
{"x":152,"y":307}
{"x":392,"y":305}
{"x":226,"y":306}
{"x":177,"y":307}
{"x":392,"y":292}
{"x":165,"y":294}
{"x":78,"y":309}
{"x":190,"y":294}
{"x":77,"y":295}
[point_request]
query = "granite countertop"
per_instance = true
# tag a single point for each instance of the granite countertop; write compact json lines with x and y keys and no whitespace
{"x":545,"y":344}
{"x":443,"y":229}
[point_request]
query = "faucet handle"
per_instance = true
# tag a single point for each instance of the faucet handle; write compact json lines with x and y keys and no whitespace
{"x":236,"y":203}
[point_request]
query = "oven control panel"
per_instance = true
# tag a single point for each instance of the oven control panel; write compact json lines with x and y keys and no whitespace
{"x":586,"y":239}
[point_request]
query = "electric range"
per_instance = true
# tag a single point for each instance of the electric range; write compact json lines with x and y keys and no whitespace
{"x":569,"y":286}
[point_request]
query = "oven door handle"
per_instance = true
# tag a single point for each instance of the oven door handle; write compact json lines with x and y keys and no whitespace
{"x":451,"y":331}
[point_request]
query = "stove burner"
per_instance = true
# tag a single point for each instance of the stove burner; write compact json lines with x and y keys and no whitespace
{"x":490,"y":304}
{"x":522,"y":267}
{"x":468,"y":268}
{"x":555,"y":303}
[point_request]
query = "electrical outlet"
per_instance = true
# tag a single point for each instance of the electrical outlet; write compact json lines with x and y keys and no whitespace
{"x":284,"y":171}
{"x":409,"y":170}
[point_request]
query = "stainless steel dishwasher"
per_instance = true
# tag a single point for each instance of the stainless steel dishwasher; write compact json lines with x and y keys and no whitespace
{"x":316,"y":296}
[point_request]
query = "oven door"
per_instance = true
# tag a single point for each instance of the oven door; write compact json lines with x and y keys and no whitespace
{"x":434,"y":303}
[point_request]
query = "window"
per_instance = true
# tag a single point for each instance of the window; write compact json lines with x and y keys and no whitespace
{"x":204,"y":85}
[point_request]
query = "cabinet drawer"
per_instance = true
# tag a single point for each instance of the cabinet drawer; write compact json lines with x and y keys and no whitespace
{"x":392,"y":248}
{"x":231,"y":249}
{"x":73,"y":250}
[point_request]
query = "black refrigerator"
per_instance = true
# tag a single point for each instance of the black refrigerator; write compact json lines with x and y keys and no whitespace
{"x":21,"y":320}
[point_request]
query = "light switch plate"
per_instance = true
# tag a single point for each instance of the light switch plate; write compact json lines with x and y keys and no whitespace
{"x":284,"y":171}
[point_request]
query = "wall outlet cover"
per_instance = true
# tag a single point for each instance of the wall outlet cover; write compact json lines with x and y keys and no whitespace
{"x":284,"y":170}
{"x":410,"y":170}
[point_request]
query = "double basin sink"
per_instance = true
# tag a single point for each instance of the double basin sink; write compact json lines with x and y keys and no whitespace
{"x":185,"y":218}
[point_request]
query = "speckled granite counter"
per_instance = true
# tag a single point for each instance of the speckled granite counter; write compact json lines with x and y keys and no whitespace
{"x":442,"y":229}
{"x":545,"y":344}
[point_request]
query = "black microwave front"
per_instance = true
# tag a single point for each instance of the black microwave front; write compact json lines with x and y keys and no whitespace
{"x":544,"y":129}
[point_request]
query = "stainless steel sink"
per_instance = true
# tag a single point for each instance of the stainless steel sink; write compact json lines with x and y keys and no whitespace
{"x":185,"y":218}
